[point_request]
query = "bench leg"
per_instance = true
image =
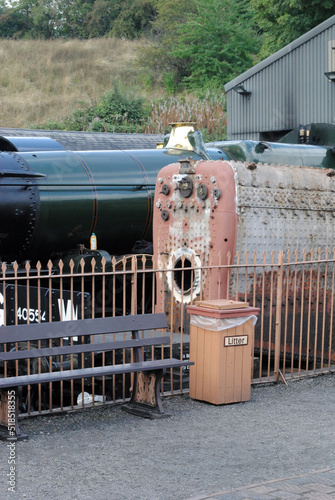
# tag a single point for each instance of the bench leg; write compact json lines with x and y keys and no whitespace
{"x":9,"y":423}
{"x":146,"y":399}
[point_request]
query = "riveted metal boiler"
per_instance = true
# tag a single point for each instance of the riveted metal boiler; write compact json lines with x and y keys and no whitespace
{"x":205,"y":210}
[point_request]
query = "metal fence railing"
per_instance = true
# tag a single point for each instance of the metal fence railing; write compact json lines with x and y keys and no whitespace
{"x":293,"y":334}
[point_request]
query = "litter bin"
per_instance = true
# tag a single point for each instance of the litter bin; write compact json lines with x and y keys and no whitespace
{"x":221,"y":346}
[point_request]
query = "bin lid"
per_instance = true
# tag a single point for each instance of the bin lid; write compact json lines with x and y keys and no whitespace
{"x":222,"y":313}
{"x":221,"y":304}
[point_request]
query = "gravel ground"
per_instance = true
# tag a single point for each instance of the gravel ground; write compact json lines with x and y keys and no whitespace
{"x":105,"y":453}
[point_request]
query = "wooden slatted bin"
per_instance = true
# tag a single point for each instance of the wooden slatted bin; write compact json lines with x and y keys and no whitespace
{"x":221,"y":351}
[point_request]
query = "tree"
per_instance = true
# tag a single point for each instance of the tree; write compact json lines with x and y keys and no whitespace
{"x":98,"y":21}
{"x":157,"y":56}
{"x":15,"y":19}
{"x":134,"y":19}
{"x":75,"y":18}
{"x":216,"y":42}
{"x":282,"y":21}
{"x":44,"y":20}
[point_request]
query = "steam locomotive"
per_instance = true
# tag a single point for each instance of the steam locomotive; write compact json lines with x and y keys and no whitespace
{"x":53,"y":199}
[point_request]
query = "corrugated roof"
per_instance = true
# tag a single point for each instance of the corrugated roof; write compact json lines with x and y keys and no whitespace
{"x":81,"y":141}
{"x":281,"y":53}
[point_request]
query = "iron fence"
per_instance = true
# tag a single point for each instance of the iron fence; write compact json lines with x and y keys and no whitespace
{"x":293,"y":334}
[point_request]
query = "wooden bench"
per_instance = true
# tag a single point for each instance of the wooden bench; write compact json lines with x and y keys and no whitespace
{"x":145,"y":397}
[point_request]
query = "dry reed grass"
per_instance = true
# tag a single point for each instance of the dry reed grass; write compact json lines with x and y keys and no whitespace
{"x":40,"y":80}
{"x":208,"y":113}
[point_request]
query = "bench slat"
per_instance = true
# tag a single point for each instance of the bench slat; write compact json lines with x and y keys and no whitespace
{"x":81,"y":348}
{"x":160,"y":364}
{"x":82,"y":327}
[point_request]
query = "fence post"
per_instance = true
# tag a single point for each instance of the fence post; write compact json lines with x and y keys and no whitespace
{"x":133,"y":285}
{"x":278,"y":314}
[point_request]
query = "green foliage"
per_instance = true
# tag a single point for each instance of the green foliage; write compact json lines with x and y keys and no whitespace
{"x":216,"y":43}
{"x":98,"y":21}
{"x":164,"y":68}
{"x":282,"y":21}
{"x":16,"y":20}
{"x":80,"y":118}
{"x":44,"y":20}
{"x":75,"y":18}
{"x":201,"y":43}
{"x":134,"y":19}
{"x":170,"y":15}
{"x":170,"y":82}
{"x":117,"y":111}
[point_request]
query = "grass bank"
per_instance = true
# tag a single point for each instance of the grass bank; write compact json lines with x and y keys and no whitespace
{"x":44,"y":81}
{"x":41,"y":80}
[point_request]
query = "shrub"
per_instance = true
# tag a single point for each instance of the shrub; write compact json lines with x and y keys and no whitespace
{"x":120,"y":111}
{"x":115,"y":112}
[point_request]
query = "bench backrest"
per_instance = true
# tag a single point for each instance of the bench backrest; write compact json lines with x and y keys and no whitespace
{"x":82,"y":327}
{"x":79,"y":328}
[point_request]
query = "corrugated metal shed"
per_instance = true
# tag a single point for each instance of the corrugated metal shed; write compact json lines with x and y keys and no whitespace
{"x":285,"y":90}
